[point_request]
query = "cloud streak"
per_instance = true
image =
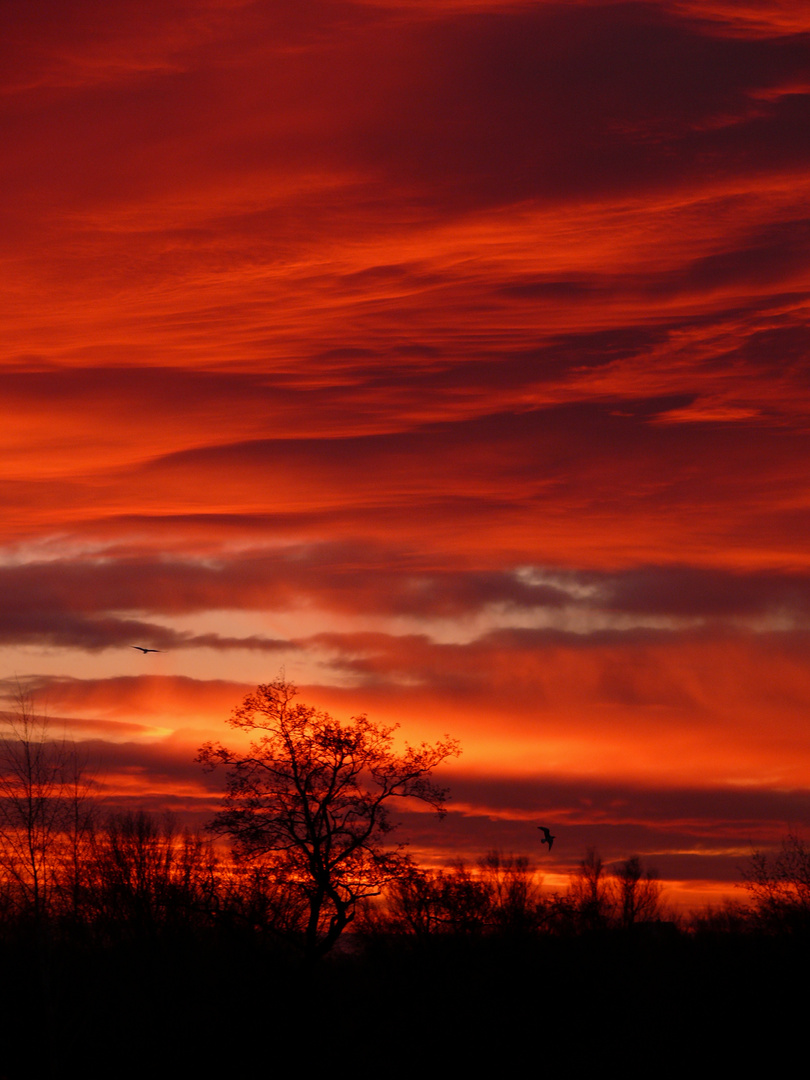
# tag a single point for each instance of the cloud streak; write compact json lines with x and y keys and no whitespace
{"x":452,"y":355}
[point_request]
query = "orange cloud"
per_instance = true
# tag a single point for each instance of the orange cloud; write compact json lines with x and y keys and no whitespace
{"x":451,"y":354}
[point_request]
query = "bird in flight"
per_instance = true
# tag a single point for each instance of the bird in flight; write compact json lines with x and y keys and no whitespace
{"x":548,"y":838}
{"x":144,"y":650}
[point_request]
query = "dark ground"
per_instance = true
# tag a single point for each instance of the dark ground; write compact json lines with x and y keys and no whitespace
{"x":231,"y":1005}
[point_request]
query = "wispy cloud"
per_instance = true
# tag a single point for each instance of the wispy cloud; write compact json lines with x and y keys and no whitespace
{"x":452,"y":355}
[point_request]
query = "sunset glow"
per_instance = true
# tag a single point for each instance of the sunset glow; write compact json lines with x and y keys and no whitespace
{"x":451,"y":356}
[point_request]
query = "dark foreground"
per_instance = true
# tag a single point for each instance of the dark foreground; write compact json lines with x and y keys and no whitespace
{"x":225,"y":1004}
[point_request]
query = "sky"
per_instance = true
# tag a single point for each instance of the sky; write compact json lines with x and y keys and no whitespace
{"x":449,"y":357}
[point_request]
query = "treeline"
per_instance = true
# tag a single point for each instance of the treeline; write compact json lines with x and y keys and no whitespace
{"x":132,"y":946}
{"x":66,"y":864}
{"x":136,"y":874}
{"x":127,"y":941}
{"x":503,"y":895}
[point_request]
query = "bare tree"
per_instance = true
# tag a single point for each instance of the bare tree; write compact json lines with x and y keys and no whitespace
{"x":499,"y":895}
{"x":312,"y":797}
{"x":145,"y":875}
{"x":637,"y":892}
{"x":415,"y":904}
{"x":779,"y":885}
{"x":588,"y":892}
{"x":79,"y":816}
{"x":425,"y":902}
{"x":44,"y":802}
{"x":516,"y":901}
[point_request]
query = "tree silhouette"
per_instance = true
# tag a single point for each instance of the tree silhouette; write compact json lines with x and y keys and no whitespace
{"x":424,"y":902}
{"x":638,"y":892}
{"x":516,"y":901}
{"x":143,"y":876}
{"x":311,"y":798}
{"x":500,"y":895}
{"x":779,"y":886}
{"x":588,"y":892}
{"x":46,"y":809}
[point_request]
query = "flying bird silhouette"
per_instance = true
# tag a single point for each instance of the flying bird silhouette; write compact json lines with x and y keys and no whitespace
{"x":144,"y":650}
{"x":548,"y":838}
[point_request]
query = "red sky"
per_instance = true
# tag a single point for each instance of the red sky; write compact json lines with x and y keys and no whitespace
{"x":451,"y":355}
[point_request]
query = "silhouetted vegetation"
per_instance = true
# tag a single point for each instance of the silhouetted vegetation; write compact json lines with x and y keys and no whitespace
{"x":126,"y":939}
{"x":500,"y":895}
{"x":309,"y":803}
{"x":46,"y":814}
{"x":779,"y":887}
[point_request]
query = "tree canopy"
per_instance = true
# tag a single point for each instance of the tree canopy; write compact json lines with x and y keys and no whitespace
{"x":312,"y":797}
